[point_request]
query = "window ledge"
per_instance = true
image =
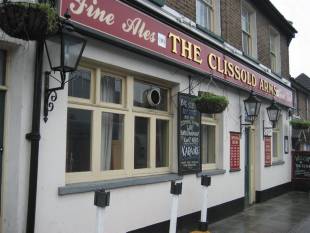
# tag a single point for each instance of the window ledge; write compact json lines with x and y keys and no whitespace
{"x":212,"y":172}
{"x":114,"y":184}
{"x":276,"y":163}
{"x":210,"y":33}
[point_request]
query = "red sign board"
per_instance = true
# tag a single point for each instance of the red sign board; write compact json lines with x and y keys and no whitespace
{"x":116,"y":20}
{"x":234,"y":151}
{"x":267,"y":140}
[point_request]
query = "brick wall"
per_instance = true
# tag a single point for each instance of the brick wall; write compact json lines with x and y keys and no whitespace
{"x":184,"y":7}
{"x":231,"y":22}
{"x":232,"y":32}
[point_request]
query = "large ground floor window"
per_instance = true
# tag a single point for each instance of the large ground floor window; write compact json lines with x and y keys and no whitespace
{"x":114,"y":130}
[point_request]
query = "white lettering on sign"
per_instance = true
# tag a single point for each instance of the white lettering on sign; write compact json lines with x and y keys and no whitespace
{"x":92,"y":10}
{"x":138,"y":28}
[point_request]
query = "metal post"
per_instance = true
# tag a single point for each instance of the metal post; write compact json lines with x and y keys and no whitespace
{"x":205,"y":182}
{"x":102,"y":200}
{"x":176,"y":190}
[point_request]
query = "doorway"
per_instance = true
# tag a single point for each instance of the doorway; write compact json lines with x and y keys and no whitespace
{"x":249,"y":189}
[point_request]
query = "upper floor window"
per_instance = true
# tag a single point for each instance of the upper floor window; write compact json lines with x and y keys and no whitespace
{"x":204,"y":14}
{"x":113,"y":130}
{"x":275,"y":62}
{"x":248,"y":24}
{"x":208,"y":15}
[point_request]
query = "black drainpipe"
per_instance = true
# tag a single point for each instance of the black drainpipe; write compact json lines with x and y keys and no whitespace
{"x":34,"y":137}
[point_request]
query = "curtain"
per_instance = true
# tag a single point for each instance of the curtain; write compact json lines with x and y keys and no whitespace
{"x":107,"y":93}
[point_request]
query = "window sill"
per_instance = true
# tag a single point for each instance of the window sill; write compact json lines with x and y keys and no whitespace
{"x":114,"y":184}
{"x":212,"y":172}
{"x":251,"y":58}
{"x":276,"y":163}
{"x":235,"y":170}
{"x":210,"y":33}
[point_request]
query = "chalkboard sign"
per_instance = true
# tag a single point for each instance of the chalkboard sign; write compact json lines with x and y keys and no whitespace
{"x":301,"y":165}
{"x":189,"y":135}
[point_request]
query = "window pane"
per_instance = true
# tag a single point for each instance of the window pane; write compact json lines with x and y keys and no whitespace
{"x":140,"y":96}
{"x":78,"y":140}
{"x":2,"y":67}
{"x":275,"y":144}
{"x":112,"y":138}
{"x":79,"y":86}
{"x":141,"y":143}
{"x":208,"y":144}
{"x":273,"y":62}
{"x":204,"y":13}
{"x":162,"y":143}
{"x":246,"y":43}
{"x":111,"y":89}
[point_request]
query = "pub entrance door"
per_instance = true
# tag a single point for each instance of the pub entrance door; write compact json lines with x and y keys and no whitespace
{"x":249,"y":189}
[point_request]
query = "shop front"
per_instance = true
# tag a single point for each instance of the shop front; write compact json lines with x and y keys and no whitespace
{"x":128,"y":123}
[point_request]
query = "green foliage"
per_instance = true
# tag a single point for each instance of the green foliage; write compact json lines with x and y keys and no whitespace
{"x":300,"y":124}
{"x":46,"y":8}
{"x":210,"y":103}
{"x":212,"y":98}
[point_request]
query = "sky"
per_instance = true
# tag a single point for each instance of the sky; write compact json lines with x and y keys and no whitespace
{"x":297,"y":12}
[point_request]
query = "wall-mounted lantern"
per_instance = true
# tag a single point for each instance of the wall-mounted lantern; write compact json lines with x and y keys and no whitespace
{"x":252,"y":107}
{"x":273,"y":112}
{"x":64,"y":51}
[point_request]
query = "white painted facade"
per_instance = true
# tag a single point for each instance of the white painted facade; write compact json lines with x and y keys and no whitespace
{"x":130,"y":207}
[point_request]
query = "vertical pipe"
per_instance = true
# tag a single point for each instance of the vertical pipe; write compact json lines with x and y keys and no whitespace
{"x":34,"y":137}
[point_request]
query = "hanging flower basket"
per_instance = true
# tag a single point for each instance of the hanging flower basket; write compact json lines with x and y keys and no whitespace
{"x":28,"y":21}
{"x":300,"y":124}
{"x":210,"y":103}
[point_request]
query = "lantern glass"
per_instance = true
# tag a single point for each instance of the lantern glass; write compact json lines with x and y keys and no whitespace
{"x":252,"y":106}
{"x":73,"y":47}
{"x":53,"y":50}
{"x":273,"y":112}
{"x":64,"y":51}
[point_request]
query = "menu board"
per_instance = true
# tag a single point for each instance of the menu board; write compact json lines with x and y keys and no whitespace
{"x":234,"y":151}
{"x":301,"y":165}
{"x":189,"y":159}
{"x":267,"y":140}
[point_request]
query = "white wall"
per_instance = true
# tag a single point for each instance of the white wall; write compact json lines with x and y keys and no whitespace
{"x":131,"y":207}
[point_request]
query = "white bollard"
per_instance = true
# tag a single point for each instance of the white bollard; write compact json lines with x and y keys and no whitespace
{"x":100,"y":220}
{"x":205,"y":182}
{"x":204,"y":208}
{"x":176,"y":190}
{"x":102,"y":200}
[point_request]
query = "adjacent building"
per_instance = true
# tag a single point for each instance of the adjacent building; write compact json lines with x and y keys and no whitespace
{"x":107,"y":131}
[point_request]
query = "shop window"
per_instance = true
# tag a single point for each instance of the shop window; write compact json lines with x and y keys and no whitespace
{"x":275,"y":60}
{"x":275,"y":144}
{"x":109,"y":136}
{"x":112,"y":141}
{"x":78,"y":140}
{"x":209,"y":142}
{"x":248,"y":24}
{"x":111,"y":89}
{"x":79,"y":86}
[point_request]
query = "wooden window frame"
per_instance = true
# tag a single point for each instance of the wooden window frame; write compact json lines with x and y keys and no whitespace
{"x":129,"y":112}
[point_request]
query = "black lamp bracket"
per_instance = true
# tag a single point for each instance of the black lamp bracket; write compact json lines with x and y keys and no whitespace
{"x":266,"y":130}
{"x":50,"y":94}
{"x":243,"y":124}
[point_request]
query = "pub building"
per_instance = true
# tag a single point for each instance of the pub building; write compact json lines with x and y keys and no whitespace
{"x":126,"y":121}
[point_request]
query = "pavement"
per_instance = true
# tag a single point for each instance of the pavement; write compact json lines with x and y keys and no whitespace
{"x":288,"y":213}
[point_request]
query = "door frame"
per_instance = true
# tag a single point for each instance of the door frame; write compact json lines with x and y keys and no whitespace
{"x":249,"y":166}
